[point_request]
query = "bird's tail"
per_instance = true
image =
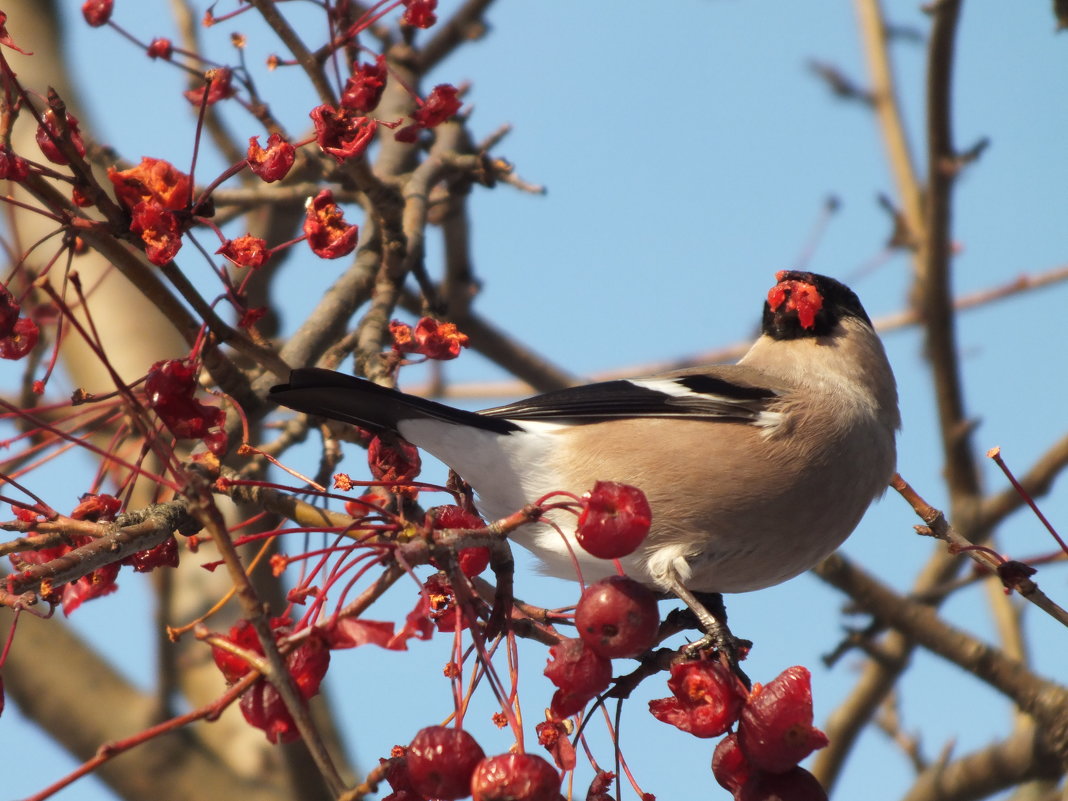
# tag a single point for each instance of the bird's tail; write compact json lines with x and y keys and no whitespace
{"x":337,"y":396}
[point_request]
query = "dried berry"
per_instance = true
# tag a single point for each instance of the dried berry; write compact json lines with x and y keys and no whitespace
{"x":515,"y":777}
{"x":48,"y":133}
{"x":707,"y":698}
{"x":328,"y":234}
{"x":273,"y":162}
{"x":729,"y":765}
{"x":775,"y":731}
{"x":97,"y":12}
{"x":393,"y":459}
{"x":219,"y":87}
{"x":363,"y":90}
{"x":796,"y":784}
{"x":22,"y":339}
{"x":438,"y":340}
{"x":264,"y":708}
{"x":441,"y":762}
{"x":152,"y":179}
{"x":342,"y":132}
{"x":580,"y":674}
{"x":169,"y":390}
{"x":419,"y":13}
{"x":233,"y":667}
{"x":160,"y":47}
{"x":12,"y":167}
{"x":245,"y":251}
{"x":442,"y":102}
{"x":618,"y":617}
{"x":9,"y":311}
{"x":159,"y":229}
{"x":163,"y":555}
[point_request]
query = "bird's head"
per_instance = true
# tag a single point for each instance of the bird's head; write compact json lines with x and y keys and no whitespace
{"x":803,"y":304}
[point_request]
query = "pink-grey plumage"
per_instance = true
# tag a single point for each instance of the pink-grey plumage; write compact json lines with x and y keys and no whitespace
{"x":754,"y":472}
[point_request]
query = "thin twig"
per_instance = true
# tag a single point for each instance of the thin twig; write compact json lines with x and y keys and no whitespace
{"x":937,"y":525}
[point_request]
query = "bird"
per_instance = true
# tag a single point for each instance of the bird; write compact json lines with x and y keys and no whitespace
{"x":754,"y":471}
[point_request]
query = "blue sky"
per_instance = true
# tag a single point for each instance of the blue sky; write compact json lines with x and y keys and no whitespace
{"x":688,"y":152}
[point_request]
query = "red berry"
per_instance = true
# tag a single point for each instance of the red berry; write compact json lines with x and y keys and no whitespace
{"x":515,"y":777}
{"x":618,"y":617}
{"x":452,"y":516}
{"x":729,"y":765}
{"x":97,"y":12}
{"x":49,"y":131}
{"x":580,"y":674}
{"x":440,"y":104}
{"x":98,"y":508}
{"x":473,"y":560}
{"x":614,"y":521}
{"x":796,"y":784}
{"x":419,"y":13}
{"x":163,"y":555}
{"x":438,"y":340}
{"x":160,"y":47}
{"x":397,"y":773}
{"x":307,"y":665}
{"x":273,"y":162}
{"x":364,"y":89}
{"x":22,"y":339}
{"x":775,"y":730}
{"x":245,"y":251}
{"x":329,"y":236}
{"x":441,"y":761}
{"x":264,"y":708}
{"x":707,"y":698}
{"x":9,"y":311}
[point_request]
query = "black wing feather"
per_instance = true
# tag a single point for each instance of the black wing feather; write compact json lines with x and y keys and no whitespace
{"x":338,"y":396}
{"x":705,"y":397}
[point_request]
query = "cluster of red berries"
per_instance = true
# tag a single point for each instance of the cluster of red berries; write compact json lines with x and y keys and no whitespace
{"x":18,"y":335}
{"x":472,"y":561}
{"x":169,"y":390}
{"x":156,"y":195}
{"x":343,"y":132}
{"x":262,"y":705}
{"x":616,"y":618}
{"x":774,"y":730}
{"x":101,"y":581}
{"x":445,"y":763}
{"x":431,"y":338}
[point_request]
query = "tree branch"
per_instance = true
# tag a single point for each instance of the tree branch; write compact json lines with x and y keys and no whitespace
{"x":980,"y":774}
{"x":1046,"y":701}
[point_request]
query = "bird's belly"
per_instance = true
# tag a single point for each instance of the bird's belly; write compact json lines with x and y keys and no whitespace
{"x":725,"y":533}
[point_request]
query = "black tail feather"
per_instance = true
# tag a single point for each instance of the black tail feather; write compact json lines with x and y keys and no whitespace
{"x":337,"y":396}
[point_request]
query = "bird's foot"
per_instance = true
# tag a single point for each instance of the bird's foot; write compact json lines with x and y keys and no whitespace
{"x":718,"y":636}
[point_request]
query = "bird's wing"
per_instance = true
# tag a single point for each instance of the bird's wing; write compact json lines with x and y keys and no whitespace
{"x":726,"y":393}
